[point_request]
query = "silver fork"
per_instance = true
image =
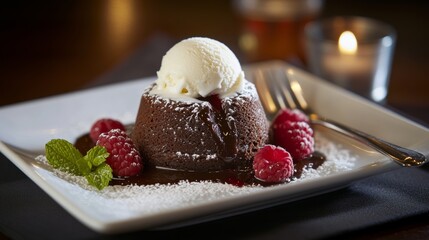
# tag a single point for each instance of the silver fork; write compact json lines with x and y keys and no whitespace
{"x":277,"y":91}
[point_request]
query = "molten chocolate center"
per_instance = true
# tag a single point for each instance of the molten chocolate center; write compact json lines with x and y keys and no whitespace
{"x":223,"y":127}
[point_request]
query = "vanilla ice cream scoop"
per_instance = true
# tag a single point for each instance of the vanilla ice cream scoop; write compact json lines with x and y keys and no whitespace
{"x":199,"y":67}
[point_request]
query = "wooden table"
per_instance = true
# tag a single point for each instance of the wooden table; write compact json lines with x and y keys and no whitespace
{"x":62,"y":46}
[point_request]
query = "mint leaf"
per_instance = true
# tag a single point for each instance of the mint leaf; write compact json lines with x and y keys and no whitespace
{"x":84,"y":166}
{"x":63,"y":155}
{"x":100,"y":177}
{"x":97,"y":155}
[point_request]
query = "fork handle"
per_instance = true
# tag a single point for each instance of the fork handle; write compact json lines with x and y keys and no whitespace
{"x":403,"y":156}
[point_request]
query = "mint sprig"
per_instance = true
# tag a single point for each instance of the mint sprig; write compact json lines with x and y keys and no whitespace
{"x":97,"y":155}
{"x":100,"y":177}
{"x":62,"y":155}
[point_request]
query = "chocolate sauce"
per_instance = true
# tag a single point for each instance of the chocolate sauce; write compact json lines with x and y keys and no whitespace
{"x":238,"y":177}
{"x":84,"y":143}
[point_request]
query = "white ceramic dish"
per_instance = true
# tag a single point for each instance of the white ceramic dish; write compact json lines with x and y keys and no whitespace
{"x":30,"y":125}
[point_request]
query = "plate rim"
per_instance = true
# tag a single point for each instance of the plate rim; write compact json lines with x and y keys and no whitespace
{"x":116,"y":227}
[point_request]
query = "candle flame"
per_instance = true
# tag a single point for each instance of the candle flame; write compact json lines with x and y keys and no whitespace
{"x":347,"y":43}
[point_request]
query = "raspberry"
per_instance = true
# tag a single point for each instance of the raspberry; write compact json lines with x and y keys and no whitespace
{"x":104,"y":125}
{"x":295,"y":137}
{"x":273,"y":164}
{"x":294,"y":115}
{"x":124,"y":159}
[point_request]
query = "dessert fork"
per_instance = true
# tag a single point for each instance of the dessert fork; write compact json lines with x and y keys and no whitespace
{"x":278,"y":91}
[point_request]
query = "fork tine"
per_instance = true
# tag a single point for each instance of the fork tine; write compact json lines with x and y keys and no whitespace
{"x":276,"y":91}
{"x":296,"y":90}
{"x":267,"y":101}
{"x":283,"y":84}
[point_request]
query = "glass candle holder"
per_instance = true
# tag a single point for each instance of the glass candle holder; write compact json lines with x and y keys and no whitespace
{"x":353,"y":52}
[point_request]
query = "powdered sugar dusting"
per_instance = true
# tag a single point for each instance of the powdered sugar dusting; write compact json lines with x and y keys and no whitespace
{"x":338,"y":160}
{"x":155,"y":198}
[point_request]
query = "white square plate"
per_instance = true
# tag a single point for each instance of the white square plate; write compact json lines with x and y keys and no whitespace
{"x":28,"y":126}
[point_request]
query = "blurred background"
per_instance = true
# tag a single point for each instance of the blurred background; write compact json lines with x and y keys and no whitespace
{"x":53,"y":47}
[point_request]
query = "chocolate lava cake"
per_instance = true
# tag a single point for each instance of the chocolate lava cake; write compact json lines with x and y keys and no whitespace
{"x":205,"y":134}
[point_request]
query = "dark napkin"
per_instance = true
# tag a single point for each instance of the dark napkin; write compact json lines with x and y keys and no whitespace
{"x":26,"y":212}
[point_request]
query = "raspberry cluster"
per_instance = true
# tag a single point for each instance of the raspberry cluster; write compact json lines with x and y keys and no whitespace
{"x":124,"y":158}
{"x":293,"y":139}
